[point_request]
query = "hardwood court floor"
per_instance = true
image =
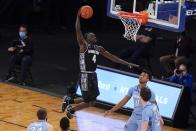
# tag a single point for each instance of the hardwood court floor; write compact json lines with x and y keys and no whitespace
{"x":18,"y":108}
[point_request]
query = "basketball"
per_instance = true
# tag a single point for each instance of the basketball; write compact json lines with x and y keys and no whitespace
{"x":86,"y":12}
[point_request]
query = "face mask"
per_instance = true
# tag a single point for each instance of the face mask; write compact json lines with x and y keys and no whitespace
{"x":22,"y":35}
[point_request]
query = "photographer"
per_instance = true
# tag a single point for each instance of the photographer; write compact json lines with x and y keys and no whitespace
{"x":181,"y":76}
{"x":21,"y":54}
{"x":181,"y":53}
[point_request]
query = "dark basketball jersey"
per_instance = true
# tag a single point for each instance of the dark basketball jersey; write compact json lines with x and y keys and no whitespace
{"x":88,"y":59}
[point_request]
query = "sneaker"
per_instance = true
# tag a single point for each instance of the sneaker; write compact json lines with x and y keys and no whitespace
{"x":9,"y":78}
{"x":69,"y":115}
{"x":70,"y":112}
{"x":66,"y":102}
{"x":22,"y":83}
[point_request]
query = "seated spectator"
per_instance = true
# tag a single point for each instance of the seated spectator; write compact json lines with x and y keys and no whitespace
{"x":41,"y":124}
{"x":181,"y":54}
{"x":182,"y":77}
{"x":21,"y":54}
{"x":64,"y":124}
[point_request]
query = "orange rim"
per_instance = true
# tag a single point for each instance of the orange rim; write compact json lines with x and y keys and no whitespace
{"x":142,"y":17}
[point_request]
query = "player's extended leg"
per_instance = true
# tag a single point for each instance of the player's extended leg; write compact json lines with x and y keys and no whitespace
{"x":71,"y":110}
{"x":78,"y":100}
{"x":83,"y":105}
{"x":89,"y":90}
{"x":88,"y":97}
{"x":67,"y":100}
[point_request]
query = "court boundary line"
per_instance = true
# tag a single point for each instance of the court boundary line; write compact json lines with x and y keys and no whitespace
{"x":11,"y":123}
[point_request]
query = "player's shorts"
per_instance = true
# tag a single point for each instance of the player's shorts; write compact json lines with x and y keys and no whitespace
{"x":89,"y":86}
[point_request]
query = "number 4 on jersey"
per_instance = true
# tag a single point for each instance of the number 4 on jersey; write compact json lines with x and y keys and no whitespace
{"x":94,"y":58}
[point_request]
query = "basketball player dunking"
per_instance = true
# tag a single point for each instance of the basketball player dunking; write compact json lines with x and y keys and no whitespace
{"x":89,"y":52}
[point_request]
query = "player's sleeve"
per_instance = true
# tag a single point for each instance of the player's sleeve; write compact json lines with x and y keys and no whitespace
{"x":146,"y":115}
{"x":130,"y":92}
{"x":153,"y":97}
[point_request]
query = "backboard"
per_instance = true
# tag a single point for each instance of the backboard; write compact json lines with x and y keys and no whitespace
{"x":164,"y":14}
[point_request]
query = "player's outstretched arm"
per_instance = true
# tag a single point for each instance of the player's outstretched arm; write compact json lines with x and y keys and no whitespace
{"x":118,"y":106}
{"x":114,"y":58}
{"x":80,"y":37}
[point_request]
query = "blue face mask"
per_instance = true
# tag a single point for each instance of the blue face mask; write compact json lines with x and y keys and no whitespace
{"x":22,"y":35}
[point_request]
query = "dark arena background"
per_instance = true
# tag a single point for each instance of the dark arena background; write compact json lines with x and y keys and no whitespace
{"x":55,"y":66}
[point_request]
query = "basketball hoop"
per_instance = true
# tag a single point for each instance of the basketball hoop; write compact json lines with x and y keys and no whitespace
{"x":132,"y":23}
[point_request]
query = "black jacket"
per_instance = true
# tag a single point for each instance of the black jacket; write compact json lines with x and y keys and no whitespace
{"x":27,"y":49}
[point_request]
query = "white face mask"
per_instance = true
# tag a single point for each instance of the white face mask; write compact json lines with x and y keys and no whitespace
{"x":23,"y":35}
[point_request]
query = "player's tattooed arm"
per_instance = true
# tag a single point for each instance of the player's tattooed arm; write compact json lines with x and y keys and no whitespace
{"x":114,"y":58}
{"x":118,"y":106}
{"x":80,"y":38}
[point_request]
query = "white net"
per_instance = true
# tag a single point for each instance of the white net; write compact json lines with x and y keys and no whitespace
{"x":132,"y":26}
